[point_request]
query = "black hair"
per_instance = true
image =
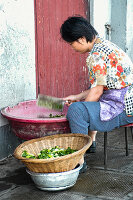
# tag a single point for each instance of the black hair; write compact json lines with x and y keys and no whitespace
{"x":76,"y":27}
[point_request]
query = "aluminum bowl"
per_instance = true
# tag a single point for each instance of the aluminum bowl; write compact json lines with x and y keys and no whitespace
{"x":55,"y":181}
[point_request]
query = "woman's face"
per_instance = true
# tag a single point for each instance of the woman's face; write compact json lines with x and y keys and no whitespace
{"x":81,"y":45}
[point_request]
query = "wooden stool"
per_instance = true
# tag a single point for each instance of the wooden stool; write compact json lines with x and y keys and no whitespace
{"x":126,"y":142}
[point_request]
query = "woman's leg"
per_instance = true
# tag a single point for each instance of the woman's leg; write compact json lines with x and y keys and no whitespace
{"x":84,"y":115}
{"x":78,"y":118}
{"x":79,"y":122}
{"x":92,"y":134}
{"x":92,"y":148}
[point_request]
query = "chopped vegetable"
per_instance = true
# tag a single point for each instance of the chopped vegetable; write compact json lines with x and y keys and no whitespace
{"x":27,"y":155}
{"x":53,"y":116}
{"x":50,"y":153}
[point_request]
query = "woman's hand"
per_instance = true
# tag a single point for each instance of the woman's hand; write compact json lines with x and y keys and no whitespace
{"x":70,"y":99}
{"x":93,"y":94}
{"x":74,"y":98}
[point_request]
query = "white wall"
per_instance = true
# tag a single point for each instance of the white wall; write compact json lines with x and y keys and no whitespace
{"x":17,"y":53}
{"x":119,"y":14}
{"x":118,"y":22}
{"x":129,"y":32}
{"x":100,"y":15}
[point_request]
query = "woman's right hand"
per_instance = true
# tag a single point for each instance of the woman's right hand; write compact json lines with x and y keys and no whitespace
{"x":74,"y":98}
{"x":70,"y":99}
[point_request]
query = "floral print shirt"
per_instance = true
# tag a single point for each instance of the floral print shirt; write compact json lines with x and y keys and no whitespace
{"x":110,"y":66}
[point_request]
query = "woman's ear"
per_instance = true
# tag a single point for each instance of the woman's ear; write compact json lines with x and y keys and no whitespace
{"x":82,"y":40}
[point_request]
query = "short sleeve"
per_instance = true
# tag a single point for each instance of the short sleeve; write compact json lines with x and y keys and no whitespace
{"x":97,"y":70}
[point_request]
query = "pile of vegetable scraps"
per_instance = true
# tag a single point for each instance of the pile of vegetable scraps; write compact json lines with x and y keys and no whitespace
{"x":49,"y":153}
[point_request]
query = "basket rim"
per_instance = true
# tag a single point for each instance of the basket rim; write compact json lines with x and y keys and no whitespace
{"x":56,"y":158}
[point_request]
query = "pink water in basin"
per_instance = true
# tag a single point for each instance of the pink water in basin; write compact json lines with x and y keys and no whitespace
{"x":30,"y":121}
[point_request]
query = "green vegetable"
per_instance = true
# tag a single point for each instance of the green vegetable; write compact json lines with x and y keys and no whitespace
{"x":50,"y":153}
{"x":27,"y":155}
{"x":53,"y":116}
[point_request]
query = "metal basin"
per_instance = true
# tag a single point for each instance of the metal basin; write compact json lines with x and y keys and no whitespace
{"x":29,"y":121}
{"x":55,"y":181}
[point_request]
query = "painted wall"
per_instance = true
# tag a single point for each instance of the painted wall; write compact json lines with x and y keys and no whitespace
{"x":56,"y":73}
{"x":17,"y":60}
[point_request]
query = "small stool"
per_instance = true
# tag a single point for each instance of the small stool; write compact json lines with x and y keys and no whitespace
{"x":126,"y":142}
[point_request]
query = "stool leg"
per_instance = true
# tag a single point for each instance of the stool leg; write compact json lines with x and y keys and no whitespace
{"x":126,"y":141}
{"x":105,"y":149}
{"x":131,"y":132}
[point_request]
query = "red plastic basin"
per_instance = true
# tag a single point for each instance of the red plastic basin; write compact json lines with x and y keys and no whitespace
{"x":29,"y":121}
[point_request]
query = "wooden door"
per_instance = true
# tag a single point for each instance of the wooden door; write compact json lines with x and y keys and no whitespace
{"x":59,"y":70}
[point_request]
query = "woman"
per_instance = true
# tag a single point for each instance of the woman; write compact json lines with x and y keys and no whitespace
{"x":108,"y":103}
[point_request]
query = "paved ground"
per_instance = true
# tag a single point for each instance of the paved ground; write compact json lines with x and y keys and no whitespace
{"x":115,"y":182}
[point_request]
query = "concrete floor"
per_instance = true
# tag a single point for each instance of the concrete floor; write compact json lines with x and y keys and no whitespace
{"x":114,"y":182}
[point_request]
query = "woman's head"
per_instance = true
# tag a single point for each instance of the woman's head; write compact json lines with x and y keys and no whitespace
{"x":77,"y":27}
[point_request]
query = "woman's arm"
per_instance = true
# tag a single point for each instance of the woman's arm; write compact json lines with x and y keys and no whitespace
{"x":77,"y":97}
{"x":93,"y":94}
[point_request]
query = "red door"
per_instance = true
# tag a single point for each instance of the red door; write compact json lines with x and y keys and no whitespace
{"x":59,"y":70}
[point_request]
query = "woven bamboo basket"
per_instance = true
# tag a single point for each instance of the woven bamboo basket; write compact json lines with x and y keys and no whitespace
{"x":79,"y":142}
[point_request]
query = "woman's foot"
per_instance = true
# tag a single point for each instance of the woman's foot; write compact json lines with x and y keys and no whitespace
{"x":92,"y":148}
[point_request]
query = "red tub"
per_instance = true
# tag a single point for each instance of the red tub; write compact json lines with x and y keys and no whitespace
{"x":28,"y":121}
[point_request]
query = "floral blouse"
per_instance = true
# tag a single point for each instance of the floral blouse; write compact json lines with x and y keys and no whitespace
{"x":110,"y":66}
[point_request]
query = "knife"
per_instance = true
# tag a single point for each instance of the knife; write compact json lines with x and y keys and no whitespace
{"x":50,"y":102}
